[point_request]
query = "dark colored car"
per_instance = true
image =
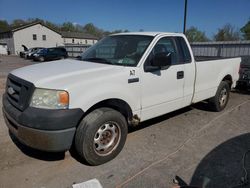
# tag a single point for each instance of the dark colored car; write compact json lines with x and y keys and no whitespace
{"x":48,"y":54}
{"x":244,"y":80}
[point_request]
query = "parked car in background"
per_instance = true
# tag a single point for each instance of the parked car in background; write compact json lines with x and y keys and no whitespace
{"x":30,"y":54}
{"x":25,"y":49}
{"x":244,"y":80}
{"x":48,"y":54}
{"x":25,"y":54}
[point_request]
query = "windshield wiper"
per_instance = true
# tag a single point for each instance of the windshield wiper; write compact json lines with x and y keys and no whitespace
{"x":97,"y":60}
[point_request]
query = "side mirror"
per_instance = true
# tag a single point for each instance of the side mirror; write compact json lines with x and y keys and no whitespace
{"x":161,"y":59}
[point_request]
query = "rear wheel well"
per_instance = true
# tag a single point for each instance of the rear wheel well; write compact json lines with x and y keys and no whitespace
{"x":116,"y":104}
{"x":229,"y":80}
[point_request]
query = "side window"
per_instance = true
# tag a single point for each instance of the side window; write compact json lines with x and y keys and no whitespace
{"x":51,"y":50}
{"x":167,"y":45}
{"x":34,"y":37}
{"x":184,"y":53}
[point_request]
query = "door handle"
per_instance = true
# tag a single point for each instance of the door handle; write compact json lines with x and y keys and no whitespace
{"x":180,"y":74}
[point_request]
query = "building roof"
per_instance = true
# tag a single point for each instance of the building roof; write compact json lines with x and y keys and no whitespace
{"x":78,"y":35}
{"x":29,"y":25}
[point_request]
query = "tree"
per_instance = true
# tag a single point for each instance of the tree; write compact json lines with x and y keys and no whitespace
{"x":30,"y":20}
{"x":18,"y":22}
{"x":195,"y":35}
{"x":68,"y":26}
{"x":4,"y":26}
{"x":227,"y":33}
{"x":246,"y":30}
{"x":52,"y":25}
{"x":89,"y":28}
{"x":93,"y":30}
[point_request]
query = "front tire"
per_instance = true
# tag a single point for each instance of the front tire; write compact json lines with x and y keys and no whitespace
{"x":101,"y":136}
{"x":220,"y":100}
{"x":41,"y":59}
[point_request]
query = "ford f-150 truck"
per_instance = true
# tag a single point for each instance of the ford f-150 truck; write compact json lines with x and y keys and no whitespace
{"x":122,"y":80}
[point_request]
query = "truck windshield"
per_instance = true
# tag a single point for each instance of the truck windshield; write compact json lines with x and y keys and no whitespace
{"x":125,"y":50}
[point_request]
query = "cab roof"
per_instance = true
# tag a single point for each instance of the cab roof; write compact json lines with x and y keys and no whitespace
{"x":150,"y":33}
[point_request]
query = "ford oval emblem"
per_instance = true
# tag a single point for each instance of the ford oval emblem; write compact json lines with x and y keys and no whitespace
{"x":11,"y":91}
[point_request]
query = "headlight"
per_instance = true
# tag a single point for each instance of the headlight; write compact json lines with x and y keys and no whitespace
{"x":50,"y":99}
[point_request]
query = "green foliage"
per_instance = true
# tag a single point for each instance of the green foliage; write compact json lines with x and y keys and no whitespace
{"x":195,"y":35}
{"x":246,"y":30}
{"x":68,"y":26}
{"x":92,"y":29}
{"x":17,"y":23}
{"x":52,"y":25}
{"x":227,"y":33}
{"x":4,"y":26}
{"x":89,"y":28}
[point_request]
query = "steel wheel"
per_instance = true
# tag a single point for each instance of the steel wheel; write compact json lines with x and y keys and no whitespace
{"x":219,"y":101}
{"x":223,"y":97}
{"x":101,"y":136}
{"x":107,"y":138}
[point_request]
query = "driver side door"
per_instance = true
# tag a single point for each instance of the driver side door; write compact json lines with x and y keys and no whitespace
{"x":162,"y":88}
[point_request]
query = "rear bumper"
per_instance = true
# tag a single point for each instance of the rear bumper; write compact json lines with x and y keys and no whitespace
{"x":47,"y":130}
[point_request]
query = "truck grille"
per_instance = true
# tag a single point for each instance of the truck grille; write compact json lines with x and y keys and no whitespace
{"x":19,"y":92}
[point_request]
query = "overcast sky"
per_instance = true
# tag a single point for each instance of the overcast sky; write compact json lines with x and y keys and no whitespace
{"x":157,"y":15}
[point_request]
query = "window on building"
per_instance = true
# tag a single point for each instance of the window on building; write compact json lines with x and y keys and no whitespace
{"x":86,"y":42}
{"x":73,"y":40}
{"x":44,"y":37}
{"x":34,"y":37}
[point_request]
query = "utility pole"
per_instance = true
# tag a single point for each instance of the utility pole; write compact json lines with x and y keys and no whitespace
{"x":185,"y":17}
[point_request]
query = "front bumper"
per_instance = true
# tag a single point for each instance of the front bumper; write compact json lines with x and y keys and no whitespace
{"x":43,"y":129}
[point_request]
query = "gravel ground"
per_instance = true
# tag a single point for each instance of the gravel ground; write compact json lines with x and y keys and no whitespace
{"x":201,"y":147}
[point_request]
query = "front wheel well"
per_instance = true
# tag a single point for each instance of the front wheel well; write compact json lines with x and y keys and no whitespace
{"x":116,"y":104}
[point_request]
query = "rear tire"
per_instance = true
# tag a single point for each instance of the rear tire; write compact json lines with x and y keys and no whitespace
{"x":101,"y":136}
{"x":220,"y":100}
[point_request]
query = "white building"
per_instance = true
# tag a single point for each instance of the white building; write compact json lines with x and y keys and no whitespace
{"x":78,"y":38}
{"x":39,"y":35}
{"x":30,"y":35}
{"x":3,"y":49}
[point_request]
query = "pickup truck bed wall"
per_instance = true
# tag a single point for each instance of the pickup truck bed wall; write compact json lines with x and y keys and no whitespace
{"x":209,"y":58}
{"x":209,"y":74}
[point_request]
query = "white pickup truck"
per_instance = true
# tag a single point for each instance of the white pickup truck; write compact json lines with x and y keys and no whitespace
{"x":122,"y":80}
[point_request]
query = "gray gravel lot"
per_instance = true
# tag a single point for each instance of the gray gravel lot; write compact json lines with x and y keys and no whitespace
{"x":197,"y":145}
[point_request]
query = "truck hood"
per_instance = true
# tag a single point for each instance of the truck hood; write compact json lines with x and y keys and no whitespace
{"x":63,"y":73}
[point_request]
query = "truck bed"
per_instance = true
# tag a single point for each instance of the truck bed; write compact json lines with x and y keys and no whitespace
{"x":211,"y":72}
{"x":208,"y":58}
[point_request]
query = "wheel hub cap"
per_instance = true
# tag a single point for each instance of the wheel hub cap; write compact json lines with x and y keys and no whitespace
{"x":106,"y":138}
{"x":223,"y":97}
